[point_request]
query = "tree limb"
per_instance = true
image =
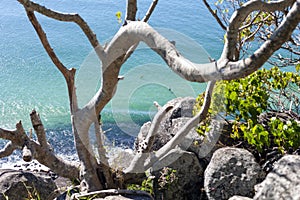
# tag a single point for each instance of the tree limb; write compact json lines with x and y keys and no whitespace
{"x":150,"y":10}
{"x":31,"y":6}
{"x":138,"y":160}
{"x":240,"y":15}
{"x":185,"y":129}
{"x":131,"y":10}
{"x":19,"y":140}
{"x":39,"y":129}
{"x":68,"y":74}
{"x":214,"y":14}
{"x":222,"y":69}
{"x":140,"y":164}
{"x":8,"y":149}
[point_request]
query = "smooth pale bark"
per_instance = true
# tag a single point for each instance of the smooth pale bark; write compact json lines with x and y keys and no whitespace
{"x":117,"y":52}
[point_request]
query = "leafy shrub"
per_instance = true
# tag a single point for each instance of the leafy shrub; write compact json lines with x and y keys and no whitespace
{"x":243,"y":101}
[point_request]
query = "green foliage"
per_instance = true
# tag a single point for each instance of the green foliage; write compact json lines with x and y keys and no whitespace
{"x":165,"y":181}
{"x":90,"y":197}
{"x":167,"y":178}
{"x":286,"y":135}
{"x":119,"y":16}
{"x":32,"y":193}
{"x":244,"y":100}
{"x":147,"y":185}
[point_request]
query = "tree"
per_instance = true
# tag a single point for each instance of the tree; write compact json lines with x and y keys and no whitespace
{"x":96,"y":174}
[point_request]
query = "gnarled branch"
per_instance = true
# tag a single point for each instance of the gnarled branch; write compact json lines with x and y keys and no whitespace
{"x":142,"y":164}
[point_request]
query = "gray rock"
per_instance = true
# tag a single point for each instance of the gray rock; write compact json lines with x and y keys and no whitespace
{"x":20,"y":185}
{"x":188,"y":179}
{"x":231,"y":171}
{"x":283,"y":183}
{"x":181,"y":112}
{"x":189,"y":169}
{"x":113,"y":194}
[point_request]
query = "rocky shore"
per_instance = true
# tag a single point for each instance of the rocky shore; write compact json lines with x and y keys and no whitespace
{"x":211,"y":167}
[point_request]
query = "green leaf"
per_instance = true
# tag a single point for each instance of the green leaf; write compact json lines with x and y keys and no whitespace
{"x":297,"y":67}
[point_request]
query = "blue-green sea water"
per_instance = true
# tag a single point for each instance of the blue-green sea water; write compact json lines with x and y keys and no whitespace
{"x":29,"y":80}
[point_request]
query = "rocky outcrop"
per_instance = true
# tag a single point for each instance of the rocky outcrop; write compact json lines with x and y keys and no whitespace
{"x":187,"y":175}
{"x":231,"y":171}
{"x":113,"y":194}
{"x":19,"y":185}
{"x":189,"y":169}
{"x":283,"y":182}
{"x":181,"y":112}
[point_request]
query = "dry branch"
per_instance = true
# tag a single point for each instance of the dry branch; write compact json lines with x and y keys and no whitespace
{"x":18,"y":139}
{"x":150,"y":10}
{"x":139,"y":163}
{"x":31,"y":6}
{"x":8,"y":149}
{"x":131,"y":10}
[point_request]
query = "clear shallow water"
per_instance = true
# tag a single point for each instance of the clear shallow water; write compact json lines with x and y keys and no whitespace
{"x":29,"y":80}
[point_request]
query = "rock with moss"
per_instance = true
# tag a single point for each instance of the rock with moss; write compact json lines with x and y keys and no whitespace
{"x":20,"y":185}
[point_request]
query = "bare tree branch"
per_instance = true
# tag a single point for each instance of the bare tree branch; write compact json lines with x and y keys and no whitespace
{"x":68,"y":74}
{"x":131,"y":10}
{"x":214,"y":14}
{"x":31,"y":6}
{"x":31,"y":149}
{"x":8,"y":149}
{"x":141,"y":164}
{"x":222,"y":69}
{"x":147,"y":143}
{"x":149,"y":140}
{"x":185,"y":129}
{"x":39,"y":129}
{"x":150,"y":10}
{"x":240,"y":15}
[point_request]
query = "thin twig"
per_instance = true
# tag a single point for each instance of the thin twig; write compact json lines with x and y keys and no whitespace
{"x":150,"y":10}
{"x":214,"y":14}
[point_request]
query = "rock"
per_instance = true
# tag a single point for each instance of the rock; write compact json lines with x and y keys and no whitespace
{"x":239,"y":198}
{"x":20,"y":185}
{"x":231,"y":171}
{"x":188,"y":179}
{"x":283,"y":182}
{"x":181,"y":112}
{"x":113,"y":194}
{"x":189,"y":169}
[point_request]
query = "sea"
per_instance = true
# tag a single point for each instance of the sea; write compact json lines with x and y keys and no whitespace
{"x":29,"y":80}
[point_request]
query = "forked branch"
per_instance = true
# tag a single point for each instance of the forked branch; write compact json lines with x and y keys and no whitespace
{"x":31,"y":6}
{"x":18,"y":139}
{"x":142,"y":164}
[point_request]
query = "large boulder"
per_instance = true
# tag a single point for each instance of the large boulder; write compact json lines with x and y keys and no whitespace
{"x":187,"y":179}
{"x":184,"y":160}
{"x":19,"y":185}
{"x":113,"y":194}
{"x":283,"y":182}
{"x":231,"y":171}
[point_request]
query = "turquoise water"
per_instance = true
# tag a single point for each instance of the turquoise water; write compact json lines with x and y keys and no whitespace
{"x":29,"y":80}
